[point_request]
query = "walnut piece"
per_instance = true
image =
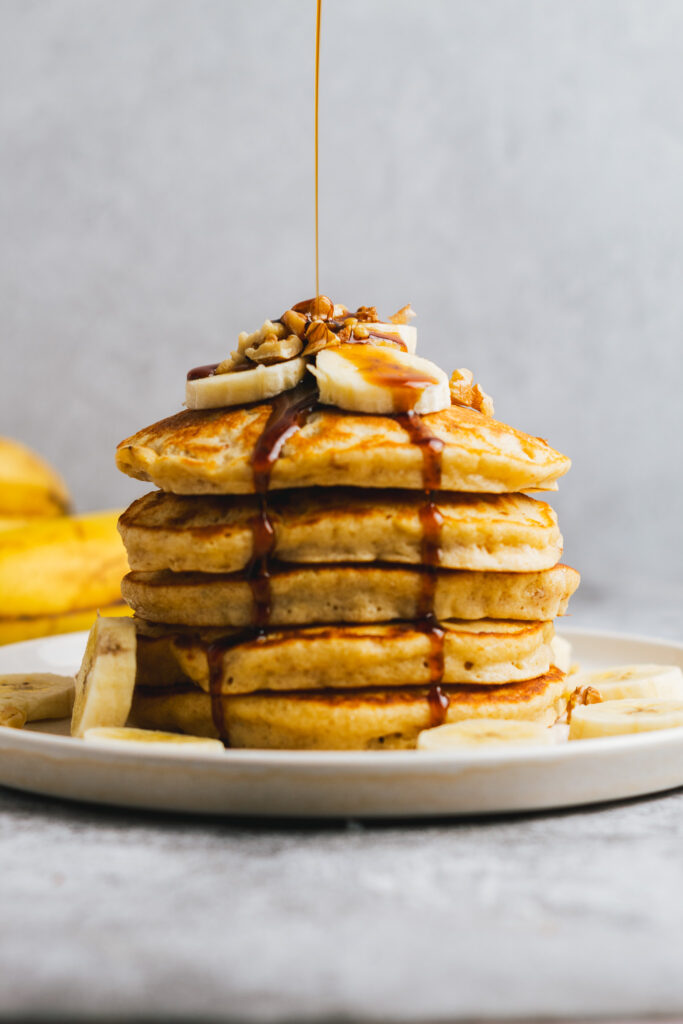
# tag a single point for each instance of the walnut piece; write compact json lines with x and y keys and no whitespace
{"x":367,"y":314}
{"x":275,"y":350}
{"x":582,"y":695}
{"x":318,"y":336}
{"x":465,"y":392}
{"x":403,"y":316}
{"x":246,"y":340}
{"x":320,"y":308}
{"x":295,"y":322}
{"x":310,"y":326}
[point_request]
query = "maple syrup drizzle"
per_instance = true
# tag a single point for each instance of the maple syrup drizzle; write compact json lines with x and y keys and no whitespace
{"x":439,"y":703}
{"x":214,"y":657}
{"x":431,"y":520}
{"x":199,"y":372}
{"x":289,"y":412}
{"x":396,"y":339}
{"x":315,"y":132}
{"x":379,"y":366}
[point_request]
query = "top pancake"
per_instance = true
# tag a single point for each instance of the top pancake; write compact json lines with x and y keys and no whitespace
{"x":211,"y":452}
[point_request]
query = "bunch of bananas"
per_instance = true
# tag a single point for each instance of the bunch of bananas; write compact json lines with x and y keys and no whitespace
{"x":56,"y":569}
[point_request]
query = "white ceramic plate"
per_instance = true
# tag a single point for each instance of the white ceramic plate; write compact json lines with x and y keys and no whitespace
{"x":317,"y":784}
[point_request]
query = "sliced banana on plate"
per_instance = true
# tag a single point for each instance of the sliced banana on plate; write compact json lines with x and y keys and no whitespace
{"x":633,"y":681}
{"x":619,"y":717}
{"x":483,"y":733}
{"x":240,"y":387}
{"x":379,"y":379}
{"x":105,"y":680}
{"x":152,"y":739}
{"x":31,"y":697}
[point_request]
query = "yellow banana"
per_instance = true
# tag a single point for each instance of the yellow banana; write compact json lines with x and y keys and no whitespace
{"x":13,"y":631}
{"x":60,"y":565}
{"x":15,"y":522}
{"x":28,"y":485}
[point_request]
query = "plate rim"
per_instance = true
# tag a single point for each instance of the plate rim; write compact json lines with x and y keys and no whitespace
{"x":376,"y":760}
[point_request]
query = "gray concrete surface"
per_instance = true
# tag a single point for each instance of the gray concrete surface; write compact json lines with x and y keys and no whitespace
{"x":513,"y":168}
{"x":109,"y":915}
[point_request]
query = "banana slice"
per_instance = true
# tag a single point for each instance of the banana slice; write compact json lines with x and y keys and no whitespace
{"x":483,"y":732}
{"x":635,"y":681}
{"x":176,"y":743}
{"x":105,"y":680}
{"x":30,"y":698}
{"x":378,"y":379}
{"x":240,"y":387}
{"x":406,"y":333}
{"x":617,"y":717}
{"x":562,"y":653}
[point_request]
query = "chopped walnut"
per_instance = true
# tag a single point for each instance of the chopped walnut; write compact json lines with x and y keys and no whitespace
{"x":295,"y":322}
{"x":465,"y":392}
{"x":322,"y":308}
{"x":582,"y":695}
{"x":318,"y":336}
{"x":308,"y":327}
{"x":275,"y":350}
{"x":367,"y":314}
{"x":246,"y":340}
{"x":403,"y":316}
{"x":319,"y":308}
{"x":482,"y":401}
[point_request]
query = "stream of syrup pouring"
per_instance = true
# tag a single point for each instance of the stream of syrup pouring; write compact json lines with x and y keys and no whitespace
{"x":289,"y":412}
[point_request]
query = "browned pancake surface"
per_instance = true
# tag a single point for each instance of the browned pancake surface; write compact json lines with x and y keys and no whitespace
{"x":216,"y":534}
{"x":385,"y":718}
{"x":211,"y":452}
{"x":347,"y":593}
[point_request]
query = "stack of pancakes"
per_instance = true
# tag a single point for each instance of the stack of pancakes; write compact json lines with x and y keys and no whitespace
{"x":312,"y":578}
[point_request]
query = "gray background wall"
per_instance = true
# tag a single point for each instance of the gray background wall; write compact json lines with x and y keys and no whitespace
{"x":512,"y":167}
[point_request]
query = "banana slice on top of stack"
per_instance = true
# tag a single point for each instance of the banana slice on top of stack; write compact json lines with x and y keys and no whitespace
{"x":361,"y":364}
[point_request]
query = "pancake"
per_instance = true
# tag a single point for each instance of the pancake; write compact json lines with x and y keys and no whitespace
{"x":212,"y":452}
{"x":342,"y":593}
{"x":333,"y":720}
{"x":500,"y":532}
{"x":341,"y":657}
